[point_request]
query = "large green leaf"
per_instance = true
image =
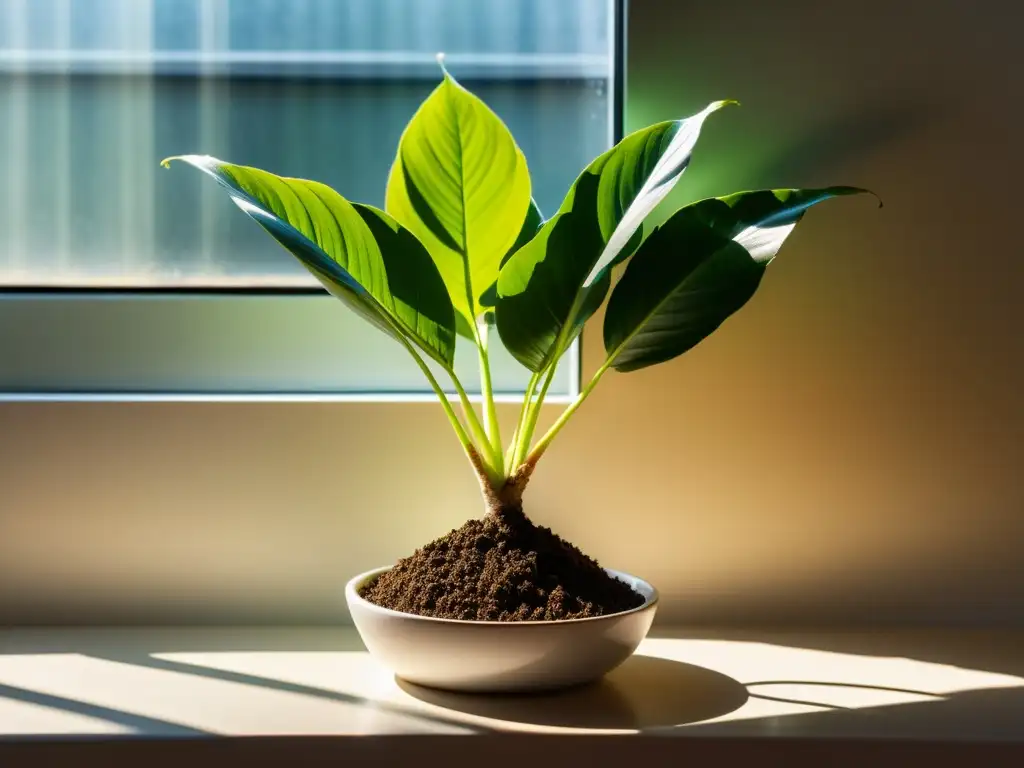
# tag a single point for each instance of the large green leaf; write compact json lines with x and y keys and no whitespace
{"x":696,"y":269}
{"x":357,"y":252}
{"x":550,"y":286}
{"x":461,"y":185}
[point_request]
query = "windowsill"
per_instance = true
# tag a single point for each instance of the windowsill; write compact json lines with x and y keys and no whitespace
{"x":261,"y":397}
{"x":146,"y":695}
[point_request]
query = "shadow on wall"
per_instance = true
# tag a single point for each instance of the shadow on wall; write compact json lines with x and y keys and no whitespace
{"x":843,"y":139}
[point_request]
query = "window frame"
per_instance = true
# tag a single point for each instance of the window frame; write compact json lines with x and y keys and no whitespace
{"x":119,"y":351}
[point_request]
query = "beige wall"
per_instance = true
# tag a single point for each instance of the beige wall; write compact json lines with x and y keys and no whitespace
{"x":848,"y":447}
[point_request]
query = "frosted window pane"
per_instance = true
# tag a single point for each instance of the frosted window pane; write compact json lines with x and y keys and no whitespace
{"x":94,"y":92}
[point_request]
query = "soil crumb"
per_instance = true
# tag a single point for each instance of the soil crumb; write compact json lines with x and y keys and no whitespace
{"x":501,"y":568}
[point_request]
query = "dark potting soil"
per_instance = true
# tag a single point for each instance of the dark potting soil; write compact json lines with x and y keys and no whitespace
{"x":501,"y":568}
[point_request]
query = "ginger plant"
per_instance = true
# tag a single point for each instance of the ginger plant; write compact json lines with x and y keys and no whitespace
{"x":462,"y":249}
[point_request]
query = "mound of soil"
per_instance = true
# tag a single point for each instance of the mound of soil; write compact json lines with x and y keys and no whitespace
{"x":501,"y":568}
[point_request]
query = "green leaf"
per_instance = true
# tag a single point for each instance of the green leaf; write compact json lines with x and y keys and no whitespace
{"x":357,"y":252}
{"x":550,"y":287}
{"x":696,"y":269}
{"x":461,"y":185}
{"x":531,"y":226}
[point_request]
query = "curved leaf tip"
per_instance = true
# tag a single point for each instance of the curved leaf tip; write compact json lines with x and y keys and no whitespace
{"x":837,"y":191}
{"x":862,"y":191}
{"x":202,"y":162}
{"x":166,"y":162}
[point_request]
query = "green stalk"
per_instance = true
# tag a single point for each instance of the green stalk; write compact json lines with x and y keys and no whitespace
{"x":495,"y":476}
{"x":513,"y":449}
{"x":456,"y":423}
{"x":545,"y":441}
{"x":532,"y":416}
{"x":491,"y":425}
{"x":492,"y":462}
{"x":561,"y":343}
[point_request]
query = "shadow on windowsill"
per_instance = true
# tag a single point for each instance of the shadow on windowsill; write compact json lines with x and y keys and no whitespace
{"x":644,"y":693}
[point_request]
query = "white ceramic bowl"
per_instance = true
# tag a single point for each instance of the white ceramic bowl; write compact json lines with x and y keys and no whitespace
{"x":500,"y":656}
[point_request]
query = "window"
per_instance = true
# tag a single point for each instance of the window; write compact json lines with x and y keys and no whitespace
{"x":120,"y":278}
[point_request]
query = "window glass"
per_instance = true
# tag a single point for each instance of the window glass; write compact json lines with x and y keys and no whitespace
{"x":93,"y":93}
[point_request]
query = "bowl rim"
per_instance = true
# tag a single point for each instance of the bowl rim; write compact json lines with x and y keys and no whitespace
{"x":352,"y":596}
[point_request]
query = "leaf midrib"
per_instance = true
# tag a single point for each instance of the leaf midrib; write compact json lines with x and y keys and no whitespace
{"x":466,"y":272}
{"x":610,"y":359}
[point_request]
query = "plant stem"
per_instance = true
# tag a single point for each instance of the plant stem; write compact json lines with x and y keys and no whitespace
{"x":543,"y":443}
{"x":492,"y":461}
{"x":531,"y":418}
{"x":531,"y":388}
{"x":456,"y":423}
{"x":562,"y":341}
{"x":491,"y":425}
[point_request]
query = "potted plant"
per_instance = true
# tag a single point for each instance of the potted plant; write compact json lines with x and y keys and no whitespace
{"x":462,"y":249}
